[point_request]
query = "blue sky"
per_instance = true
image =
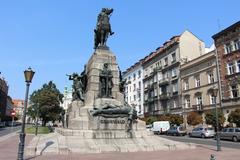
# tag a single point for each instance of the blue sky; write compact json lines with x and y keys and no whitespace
{"x":55,"y":37}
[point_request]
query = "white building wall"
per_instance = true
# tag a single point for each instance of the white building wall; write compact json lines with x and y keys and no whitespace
{"x":67,"y":97}
{"x":137,"y":92}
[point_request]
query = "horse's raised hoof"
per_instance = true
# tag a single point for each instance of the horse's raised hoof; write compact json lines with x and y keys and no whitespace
{"x":111,"y":33}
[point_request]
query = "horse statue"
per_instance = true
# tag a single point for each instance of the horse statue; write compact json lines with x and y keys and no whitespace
{"x":103,"y":29}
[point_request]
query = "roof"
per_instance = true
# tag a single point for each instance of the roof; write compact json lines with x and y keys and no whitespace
{"x":237,"y":24}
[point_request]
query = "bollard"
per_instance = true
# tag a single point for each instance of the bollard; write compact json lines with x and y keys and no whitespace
{"x":212,"y":157}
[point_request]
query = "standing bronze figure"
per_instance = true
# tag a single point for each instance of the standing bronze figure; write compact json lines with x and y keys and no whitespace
{"x":103,"y":28}
{"x":106,"y":83}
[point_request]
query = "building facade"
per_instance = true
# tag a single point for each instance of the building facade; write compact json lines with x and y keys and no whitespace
{"x":227,"y":44}
{"x":133,"y":91}
{"x":3,"y":96}
{"x":67,"y":97}
{"x":19,"y":106}
{"x":162,"y":89}
{"x":10,"y":107}
{"x":198,"y":78}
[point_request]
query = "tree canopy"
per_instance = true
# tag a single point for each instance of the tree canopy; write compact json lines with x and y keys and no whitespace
{"x":234,"y":117}
{"x":193,"y":118}
{"x":48,"y":99}
{"x":211,"y":118}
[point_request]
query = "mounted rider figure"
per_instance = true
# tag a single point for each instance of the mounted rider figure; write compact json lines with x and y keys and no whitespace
{"x":103,"y":28}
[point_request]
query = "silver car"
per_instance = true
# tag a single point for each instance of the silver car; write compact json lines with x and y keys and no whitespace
{"x":230,"y":134}
{"x":203,"y":132}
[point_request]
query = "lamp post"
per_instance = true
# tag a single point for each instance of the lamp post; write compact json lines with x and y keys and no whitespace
{"x":28,"y":79}
{"x":215,"y":92}
{"x":36,"y":123}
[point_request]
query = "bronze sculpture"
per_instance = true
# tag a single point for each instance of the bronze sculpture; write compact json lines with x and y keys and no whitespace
{"x":78,"y":87}
{"x":103,"y":28}
{"x":106,"y":84}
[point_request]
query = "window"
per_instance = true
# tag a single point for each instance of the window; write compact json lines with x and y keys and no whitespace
{"x":238,"y":66}
{"x":213,"y":99}
{"x":199,"y":100}
{"x":139,"y":85}
{"x":174,"y":72}
{"x":130,"y":89}
{"x":237,"y":44}
{"x":187,"y":102}
{"x":186,"y":85}
{"x":134,"y":76}
{"x":174,"y":104}
{"x":134,"y":97}
{"x":230,"y":68}
{"x":165,"y":61}
{"x":175,"y":87}
{"x":155,"y":92}
{"x":228,"y":48}
{"x":210,"y":78}
{"x":173,"y":57}
{"x":139,"y":74}
{"x":234,"y":91}
{"x":134,"y":87}
{"x":197,"y":81}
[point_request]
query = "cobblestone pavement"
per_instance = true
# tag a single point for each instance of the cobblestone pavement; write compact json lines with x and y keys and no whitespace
{"x":8,"y":151}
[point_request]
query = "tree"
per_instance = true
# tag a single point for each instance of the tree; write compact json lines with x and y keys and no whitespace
{"x":151,"y":119}
{"x":234,"y":117}
{"x":193,"y":118}
{"x":211,"y":118}
{"x":176,"y":119}
{"x":48,"y":98}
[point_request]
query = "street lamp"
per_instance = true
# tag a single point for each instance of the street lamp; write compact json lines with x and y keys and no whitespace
{"x":214,"y":94}
{"x":28,"y":79}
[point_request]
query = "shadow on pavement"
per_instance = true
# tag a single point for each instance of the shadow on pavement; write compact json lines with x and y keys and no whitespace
{"x":47,"y":145}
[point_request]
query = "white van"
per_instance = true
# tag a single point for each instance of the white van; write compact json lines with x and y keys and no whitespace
{"x":160,"y":127}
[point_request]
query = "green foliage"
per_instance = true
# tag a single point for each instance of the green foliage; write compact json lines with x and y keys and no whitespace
{"x":150,"y":120}
{"x":48,"y":98}
{"x":41,"y":130}
{"x":176,"y":119}
{"x":234,"y":117}
{"x":211,"y":118}
{"x":164,"y":118}
{"x":193,"y":118}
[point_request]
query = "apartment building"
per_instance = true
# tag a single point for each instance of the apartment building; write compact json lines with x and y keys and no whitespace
{"x":198,"y":78}
{"x":67,"y":97}
{"x":133,"y":77}
{"x":3,"y":96}
{"x":162,"y":89}
{"x":227,"y":44}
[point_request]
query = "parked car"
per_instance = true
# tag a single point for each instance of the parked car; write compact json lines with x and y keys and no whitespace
{"x":203,"y":132}
{"x":149,"y":127}
{"x":230,"y":134}
{"x":177,"y":131}
{"x":160,"y":127}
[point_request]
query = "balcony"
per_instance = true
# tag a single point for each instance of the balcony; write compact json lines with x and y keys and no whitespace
{"x":164,"y":81}
{"x":197,"y":107}
{"x":164,"y":96}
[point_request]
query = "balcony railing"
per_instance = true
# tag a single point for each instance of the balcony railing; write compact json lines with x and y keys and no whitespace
{"x":164,"y":96}
{"x":164,"y":81}
{"x":197,"y":107}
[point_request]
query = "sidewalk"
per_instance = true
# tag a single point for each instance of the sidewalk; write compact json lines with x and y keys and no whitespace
{"x":8,"y":151}
{"x":200,"y":153}
{"x":9,"y":146}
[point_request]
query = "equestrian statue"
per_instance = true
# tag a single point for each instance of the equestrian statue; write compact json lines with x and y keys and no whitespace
{"x":103,"y":28}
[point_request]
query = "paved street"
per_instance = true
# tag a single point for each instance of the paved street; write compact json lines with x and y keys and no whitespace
{"x":7,"y":130}
{"x":207,"y":141}
{"x":8,"y":151}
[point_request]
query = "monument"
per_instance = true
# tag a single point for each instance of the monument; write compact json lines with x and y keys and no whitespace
{"x":99,"y":120}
